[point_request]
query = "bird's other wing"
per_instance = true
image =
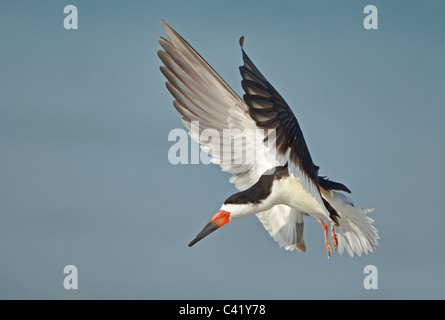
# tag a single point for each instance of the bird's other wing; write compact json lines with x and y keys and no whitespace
{"x":269,"y":111}
{"x":330,"y":185}
{"x":285,"y":225}
{"x":206,"y":101}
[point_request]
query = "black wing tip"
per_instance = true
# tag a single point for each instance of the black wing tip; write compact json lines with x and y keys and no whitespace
{"x":327,"y":184}
{"x":241,"y":41}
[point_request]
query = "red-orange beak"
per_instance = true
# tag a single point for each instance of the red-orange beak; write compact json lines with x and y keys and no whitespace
{"x":217,"y":221}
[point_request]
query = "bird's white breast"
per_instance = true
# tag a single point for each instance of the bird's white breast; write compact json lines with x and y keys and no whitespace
{"x":289,"y":191}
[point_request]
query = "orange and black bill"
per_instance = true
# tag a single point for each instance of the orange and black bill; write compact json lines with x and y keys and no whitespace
{"x":217,"y":221}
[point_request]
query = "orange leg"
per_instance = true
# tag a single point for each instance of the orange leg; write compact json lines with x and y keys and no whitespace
{"x":326,"y":241}
{"x":334,"y":238}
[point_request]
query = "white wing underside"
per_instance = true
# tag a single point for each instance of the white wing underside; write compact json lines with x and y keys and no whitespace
{"x":205,"y":100}
{"x":285,"y":226}
{"x":203,"y":96}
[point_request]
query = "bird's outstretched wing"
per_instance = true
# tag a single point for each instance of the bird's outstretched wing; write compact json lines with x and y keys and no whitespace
{"x":206,"y":102}
{"x":270,"y":111}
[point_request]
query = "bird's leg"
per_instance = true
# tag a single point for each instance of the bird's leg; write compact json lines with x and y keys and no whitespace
{"x":326,"y":241}
{"x":334,"y":237}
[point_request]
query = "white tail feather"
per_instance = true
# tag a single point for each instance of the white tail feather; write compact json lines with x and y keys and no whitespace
{"x":356,"y":234}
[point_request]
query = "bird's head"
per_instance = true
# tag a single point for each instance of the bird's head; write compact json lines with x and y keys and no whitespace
{"x":232,"y":208}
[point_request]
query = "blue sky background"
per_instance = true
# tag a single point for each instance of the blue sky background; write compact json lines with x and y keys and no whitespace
{"x":84,"y":174}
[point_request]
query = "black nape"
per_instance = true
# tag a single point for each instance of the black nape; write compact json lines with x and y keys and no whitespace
{"x":260,"y":190}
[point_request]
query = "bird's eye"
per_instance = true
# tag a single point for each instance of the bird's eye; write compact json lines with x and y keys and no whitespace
{"x":231,"y":201}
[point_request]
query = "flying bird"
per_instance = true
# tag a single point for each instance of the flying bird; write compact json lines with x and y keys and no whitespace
{"x":281,"y":185}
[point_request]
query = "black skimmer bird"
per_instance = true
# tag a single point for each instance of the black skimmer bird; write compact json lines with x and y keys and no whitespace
{"x":281,"y":186}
